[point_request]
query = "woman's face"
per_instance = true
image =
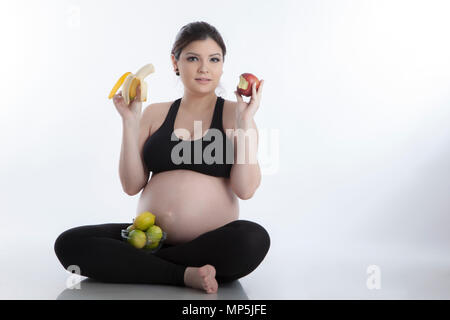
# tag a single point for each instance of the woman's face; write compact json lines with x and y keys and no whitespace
{"x":200,"y":59}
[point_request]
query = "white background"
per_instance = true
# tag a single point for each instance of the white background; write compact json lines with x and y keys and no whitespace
{"x":357,"y":91}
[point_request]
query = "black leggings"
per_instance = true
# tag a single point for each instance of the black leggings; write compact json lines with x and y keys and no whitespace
{"x":235,"y":250}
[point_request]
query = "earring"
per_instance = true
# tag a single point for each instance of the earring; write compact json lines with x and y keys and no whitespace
{"x":177,"y":73}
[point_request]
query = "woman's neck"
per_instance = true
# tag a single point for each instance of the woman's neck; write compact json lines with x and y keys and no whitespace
{"x":196,"y":103}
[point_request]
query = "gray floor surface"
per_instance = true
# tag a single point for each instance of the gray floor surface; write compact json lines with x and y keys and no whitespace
{"x":32,"y":271}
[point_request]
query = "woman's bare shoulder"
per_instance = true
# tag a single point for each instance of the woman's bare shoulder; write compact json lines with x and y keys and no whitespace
{"x":156,"y":113}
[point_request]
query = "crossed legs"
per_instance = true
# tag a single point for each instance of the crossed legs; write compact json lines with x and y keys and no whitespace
{"x":233,"y":250}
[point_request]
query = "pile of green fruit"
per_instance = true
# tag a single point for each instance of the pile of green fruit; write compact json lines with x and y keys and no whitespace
{"x":144,"y":233}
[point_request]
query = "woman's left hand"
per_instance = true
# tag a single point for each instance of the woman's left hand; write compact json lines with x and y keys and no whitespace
{"x":246,"y":110}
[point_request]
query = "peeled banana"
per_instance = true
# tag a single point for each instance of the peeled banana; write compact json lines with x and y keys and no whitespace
{"x":130,"y":81}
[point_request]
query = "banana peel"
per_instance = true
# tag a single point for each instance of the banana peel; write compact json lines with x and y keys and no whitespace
{"x":130,"y":82}
{"x":118,"y":84}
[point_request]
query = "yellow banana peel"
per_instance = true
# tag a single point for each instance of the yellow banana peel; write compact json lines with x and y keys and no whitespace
{"x":118,"y":84}
{"x":133,"y":86}
{"x":130,"y":81}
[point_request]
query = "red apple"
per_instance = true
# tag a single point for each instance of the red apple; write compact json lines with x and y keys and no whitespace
{"x":246,"y":81}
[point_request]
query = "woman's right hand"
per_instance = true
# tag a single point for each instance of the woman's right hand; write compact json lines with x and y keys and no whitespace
{"x":133,"y":110}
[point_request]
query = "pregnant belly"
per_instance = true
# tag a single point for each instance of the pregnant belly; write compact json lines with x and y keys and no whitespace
{"x":187,"y":203}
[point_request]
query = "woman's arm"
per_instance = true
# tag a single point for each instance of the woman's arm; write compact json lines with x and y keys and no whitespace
{"x":133,"y":174}
{"x":245,"y":173}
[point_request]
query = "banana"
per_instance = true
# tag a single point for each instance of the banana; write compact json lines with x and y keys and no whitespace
{"x":130,"y":81}
{"x":133,"y":86}
{"x":126,"y":88}
{"x":143,"y":91}
{"x":143,"y":72}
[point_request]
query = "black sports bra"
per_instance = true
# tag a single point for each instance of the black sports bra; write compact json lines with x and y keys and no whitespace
{"x":212,"y":154}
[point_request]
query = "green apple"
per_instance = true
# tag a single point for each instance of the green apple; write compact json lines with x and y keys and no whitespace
{"x":137,"y":238}
{"x":144,"y":221}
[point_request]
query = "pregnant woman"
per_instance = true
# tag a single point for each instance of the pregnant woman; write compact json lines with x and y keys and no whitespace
{"x":195,"y":202}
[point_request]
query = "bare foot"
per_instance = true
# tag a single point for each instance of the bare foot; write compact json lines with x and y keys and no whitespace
{"x":203,"y":278}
